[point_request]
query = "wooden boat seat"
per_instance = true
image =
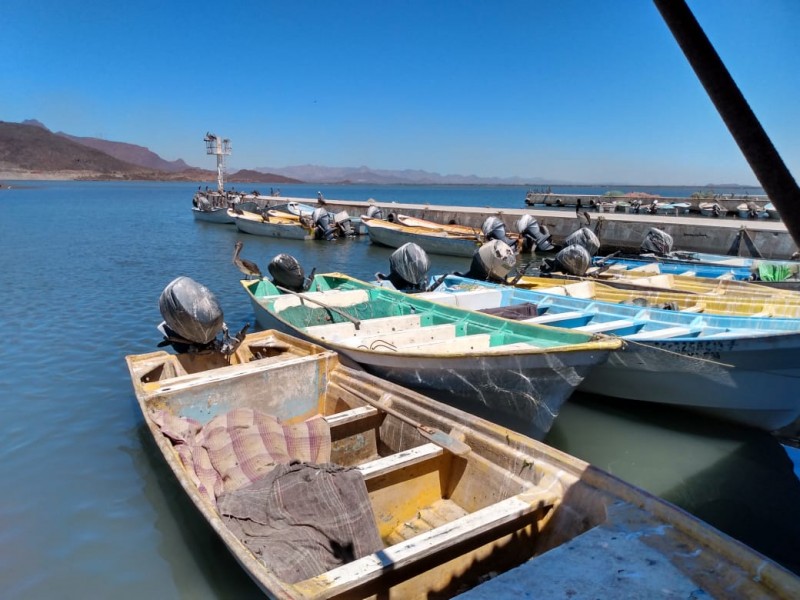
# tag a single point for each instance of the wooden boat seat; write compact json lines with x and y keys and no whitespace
{"x":660,"y":334}
{"x":456,"y":345}
{"x":606,"y":326}
{"x":472,"y":300}
{"x":402,"y":338}
{"x":353,"y":415}
{"x":584,"y":289}
{"x":471,"y":526}
{"x":406,"y":458}
{"x":379,"y":326}
{"x":336,"y":298}
{"x":554,"y":317}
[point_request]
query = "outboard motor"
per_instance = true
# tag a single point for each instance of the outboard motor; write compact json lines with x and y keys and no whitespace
{"x":374,"y":212}
{"x":584,"y":237}
{"x":573,"y":260}
{"x":533,"y":236}
{"x":323,"y":228}
{"x":287,"y":272}
{"x":494,"y":229}
{"x":192,"y":316}
{"x":408,"y":268}
{"x":344,"y":224}
{"x":656,"y":242}
{"x":491,"y":262}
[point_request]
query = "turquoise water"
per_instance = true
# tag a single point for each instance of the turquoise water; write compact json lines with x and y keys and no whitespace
{"x":89,"y":511}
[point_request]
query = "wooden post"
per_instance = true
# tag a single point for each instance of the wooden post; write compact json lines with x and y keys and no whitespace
{"x":753,"y":141}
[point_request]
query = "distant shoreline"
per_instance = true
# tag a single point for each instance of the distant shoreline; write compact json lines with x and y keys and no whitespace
{"x":6,"y":176}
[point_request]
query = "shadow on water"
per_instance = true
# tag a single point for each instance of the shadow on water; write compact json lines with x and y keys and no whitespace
{"x":738,"y":479}
{"x":179,"y":519}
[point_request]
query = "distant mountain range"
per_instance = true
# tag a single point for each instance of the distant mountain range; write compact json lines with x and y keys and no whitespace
{"x":365,"y":175}
{"x":29,"y":150}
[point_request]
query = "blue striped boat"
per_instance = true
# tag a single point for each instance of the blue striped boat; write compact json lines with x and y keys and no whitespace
{"x":743,"y":369}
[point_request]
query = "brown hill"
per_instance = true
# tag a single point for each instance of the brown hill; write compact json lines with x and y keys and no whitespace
{"x":130,"y":153}
{"x":31,"y":151}
{"x":250,"y":176}
{"x":30,"y":148}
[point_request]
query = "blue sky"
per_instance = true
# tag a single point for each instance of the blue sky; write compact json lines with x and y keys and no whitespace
{"x":575,"y":90}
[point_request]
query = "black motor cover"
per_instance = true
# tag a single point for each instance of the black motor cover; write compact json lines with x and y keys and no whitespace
{"x":656,"y":242}
{"x":191,"y":310}
{"x":573,"y":260}
{"x":584,"y":237}
{"x":287,"y":272}
{"x":409,"y":266}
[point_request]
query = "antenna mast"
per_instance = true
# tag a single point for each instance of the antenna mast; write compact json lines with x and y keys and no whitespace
{"x":220,"y":147}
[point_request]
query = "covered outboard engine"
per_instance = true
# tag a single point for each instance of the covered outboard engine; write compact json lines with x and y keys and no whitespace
{"x":344,"y":224}
{"x":408,"y":268}
{"x":287,"y":272}
{"x":324,"y":228}
{"x":656,"y":242}
{"x":374,"y":212}
{"x":494,"y":229}
{"x":584,"y":237}
{"x":533,"y":235}
{"x":192,"y":316}
{"x":491,"y":262}
{"x":573,"y":260}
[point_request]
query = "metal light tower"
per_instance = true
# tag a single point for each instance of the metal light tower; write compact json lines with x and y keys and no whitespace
{"x":221,"y":148}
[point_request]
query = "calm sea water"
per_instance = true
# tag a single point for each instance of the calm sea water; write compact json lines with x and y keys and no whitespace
{"x":89,"y":511}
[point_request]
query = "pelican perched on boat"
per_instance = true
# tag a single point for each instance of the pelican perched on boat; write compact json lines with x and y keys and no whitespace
{"x":248,"y":267}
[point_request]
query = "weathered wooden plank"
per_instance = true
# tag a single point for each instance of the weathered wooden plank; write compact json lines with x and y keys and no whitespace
{"x":399,"y":460}
{"x":346,"y":577}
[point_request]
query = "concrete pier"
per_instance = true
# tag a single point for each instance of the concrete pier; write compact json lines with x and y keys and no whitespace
{"x":622,"y":231}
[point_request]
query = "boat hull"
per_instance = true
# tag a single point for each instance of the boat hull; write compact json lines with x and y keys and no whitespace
{"x":726,"y":379}
{"x":479,"y":503}
{"x":718,"y":365}
{"x":215,"y":215}
{"x":529,"y":378}
{"x":293,"y":231}
{"x":431,"y":243}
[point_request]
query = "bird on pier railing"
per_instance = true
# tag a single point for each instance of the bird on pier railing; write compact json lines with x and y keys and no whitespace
{"x":245,"y":266}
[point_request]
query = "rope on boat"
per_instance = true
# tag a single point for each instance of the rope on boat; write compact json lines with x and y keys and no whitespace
{"x":682,"y":355}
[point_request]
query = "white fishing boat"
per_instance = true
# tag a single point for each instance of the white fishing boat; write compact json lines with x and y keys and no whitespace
{"x":395,"y":235}
{"x":271,"y":226}
{"x":523,"y":370}
{"x":742,"y":369}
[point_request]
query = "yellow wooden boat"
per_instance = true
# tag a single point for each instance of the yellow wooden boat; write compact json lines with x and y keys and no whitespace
{"x":448,"y":500}
{"x":653,"y":279}
{"x":450,"y":228}
{"x":785,"y":307}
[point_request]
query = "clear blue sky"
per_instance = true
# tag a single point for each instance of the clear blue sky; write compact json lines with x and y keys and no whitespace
{"x":576,"y":90}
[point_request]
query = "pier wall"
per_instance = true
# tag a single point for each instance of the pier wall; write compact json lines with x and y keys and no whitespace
{"x":615,"y":230}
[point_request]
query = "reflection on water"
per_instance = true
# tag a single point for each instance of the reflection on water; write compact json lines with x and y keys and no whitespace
{"x":90,"y":511}
{"x":738,"y":479}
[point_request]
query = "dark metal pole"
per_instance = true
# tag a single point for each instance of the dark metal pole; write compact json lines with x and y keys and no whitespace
{"x":753,"y":141}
